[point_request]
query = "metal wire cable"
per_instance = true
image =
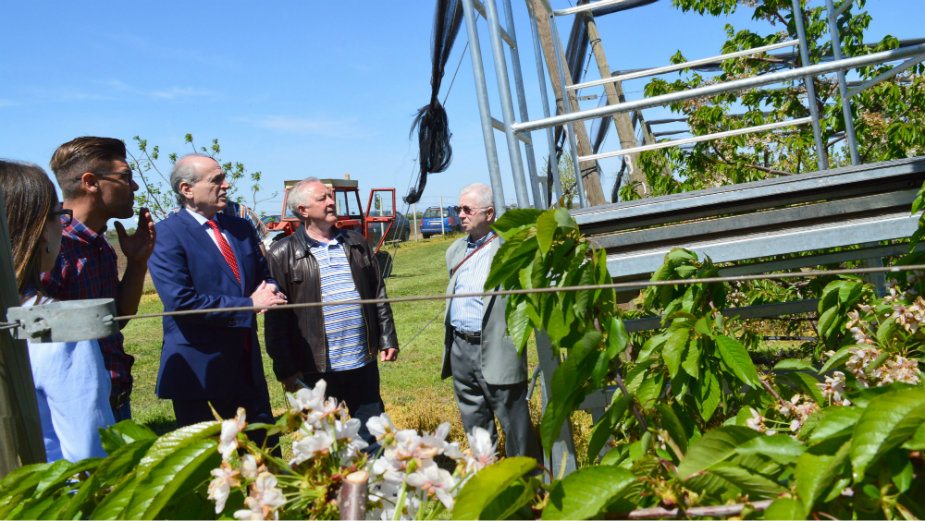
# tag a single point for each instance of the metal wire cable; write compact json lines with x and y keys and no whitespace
{"x":587,"y":287}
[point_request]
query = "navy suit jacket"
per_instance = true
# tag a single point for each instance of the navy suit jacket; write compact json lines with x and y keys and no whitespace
{"x":203,"y":355}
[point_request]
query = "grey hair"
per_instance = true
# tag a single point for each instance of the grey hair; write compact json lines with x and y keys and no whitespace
{"x":297,"y":197}
{"x":185,"y":171}
{"x":481,"y":192}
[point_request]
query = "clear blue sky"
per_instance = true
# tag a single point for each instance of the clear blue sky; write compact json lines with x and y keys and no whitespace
{"x":295,"y":88}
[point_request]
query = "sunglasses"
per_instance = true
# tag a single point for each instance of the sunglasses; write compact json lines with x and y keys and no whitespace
{"x":125,"y":175}
{"x":66,"y":215}
{"x":469,"y":210}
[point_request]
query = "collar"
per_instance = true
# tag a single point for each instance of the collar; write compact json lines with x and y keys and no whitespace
{"x":339,"y":238}
{"x":487,"y":237}
{"x":80,"y":231}
{"x":201,"y":219}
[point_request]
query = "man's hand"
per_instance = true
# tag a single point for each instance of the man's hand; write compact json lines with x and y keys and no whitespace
{"x":267,"y":296}
{"x":292,"y":384}
{"x":138,"y":246}
{"x":388,"y":355}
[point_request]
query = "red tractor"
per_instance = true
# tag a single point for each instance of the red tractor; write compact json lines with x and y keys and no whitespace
{"x":375,"y":223}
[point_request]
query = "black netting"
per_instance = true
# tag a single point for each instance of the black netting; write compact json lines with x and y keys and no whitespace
{"x":431,"y":120}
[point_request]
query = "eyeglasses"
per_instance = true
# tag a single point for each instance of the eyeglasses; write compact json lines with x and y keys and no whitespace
{"x":66,"y":215}
{"x":469,"y":210}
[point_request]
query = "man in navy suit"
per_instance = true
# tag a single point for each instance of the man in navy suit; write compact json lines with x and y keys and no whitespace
{"x":206,"y":259}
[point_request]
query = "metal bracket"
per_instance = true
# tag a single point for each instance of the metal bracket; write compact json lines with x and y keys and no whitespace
{"x":65,"y":321}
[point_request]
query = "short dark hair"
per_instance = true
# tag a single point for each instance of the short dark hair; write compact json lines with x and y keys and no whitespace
{"x":84,"y":154}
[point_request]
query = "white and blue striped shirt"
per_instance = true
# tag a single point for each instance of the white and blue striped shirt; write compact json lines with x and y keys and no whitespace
{"x":466,"y":313}
{"x":344,"y":327}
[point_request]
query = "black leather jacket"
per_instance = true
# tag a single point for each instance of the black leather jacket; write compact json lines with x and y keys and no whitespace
{"x":295,"y":338}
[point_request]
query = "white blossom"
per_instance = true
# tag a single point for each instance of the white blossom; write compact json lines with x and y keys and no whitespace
{"x":264,"y":501}
{"x":481,"y":449}
{"x":435,"y":482}
{"x":249,"y":466}
{"x":307,"y":399}
{"x":310,"y":446}
{"x":833,"y":389}
{"x":224,"y":478}
{"x":380,"y":426}
{"x":228,"y":441}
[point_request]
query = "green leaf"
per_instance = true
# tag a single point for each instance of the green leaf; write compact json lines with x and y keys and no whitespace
{"x":714,"y":447}
{"x":709,"y":394}
{"x":81,"y":501}
{"x":778,"y":447}
{"x":917,"y":441}
{"x":122,"y":461}
{"x":832,"y":422}
{"x":691,"y":363}
{"x":518,"y":322}
{"x":546,"y":230}
{"x":602,"y":430}
{"x":617,"y":339}
{"x":837,"y":359}
{"x":584,"y":493}
{"x":569,"y":387}
{"x":510,"y":501}
{"x":124,"y":433}
{"x":737,"y":359}
{"x":785,"y":509}
{"x":564,"y":219}
{"x":813,"y":476}
{"x":167,"y":444}
{"x":185,"y":469}
{"x":793,"y":364}
{"x":487,"y":484}
{"x":747,"y":480}
{"x":674,"y":348}
{"x":113,"y":505}
{"x":516,"y":218}
{"x":671,"y":424}
{"x":887,"y":422}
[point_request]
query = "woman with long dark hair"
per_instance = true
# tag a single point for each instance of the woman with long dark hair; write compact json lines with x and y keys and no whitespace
{"x":71,"y":382}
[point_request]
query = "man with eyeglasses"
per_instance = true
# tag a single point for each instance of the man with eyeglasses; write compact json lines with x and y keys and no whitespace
{"x":489,"y":377}
{"x":97,"y":186}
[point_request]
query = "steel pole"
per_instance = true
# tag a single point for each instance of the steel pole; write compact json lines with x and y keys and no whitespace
{"x":729,"y":86}
{"x":481,"y":94}
{"x":544,"y":97}
{"x":507,"y":104}
{"x":569,"y":129}
{"x":843,"y":86}
{"x":539,"y":200}
{"x":822,"y":158}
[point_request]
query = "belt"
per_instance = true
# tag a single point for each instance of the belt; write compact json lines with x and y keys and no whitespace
{"x":472,"y":338}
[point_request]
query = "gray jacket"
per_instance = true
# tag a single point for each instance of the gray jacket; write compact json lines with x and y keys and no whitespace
{"x":500,"y":363}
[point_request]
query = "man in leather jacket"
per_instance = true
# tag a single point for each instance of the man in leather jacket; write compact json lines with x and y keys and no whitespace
{"x":340,"y":344}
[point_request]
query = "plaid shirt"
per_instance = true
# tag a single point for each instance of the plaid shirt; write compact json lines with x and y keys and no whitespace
{"x":86,"y":268}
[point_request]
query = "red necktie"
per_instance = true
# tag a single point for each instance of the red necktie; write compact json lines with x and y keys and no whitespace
{"x":225,"y":249}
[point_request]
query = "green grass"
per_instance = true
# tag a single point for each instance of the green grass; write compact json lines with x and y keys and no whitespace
{"x":414,"y":395}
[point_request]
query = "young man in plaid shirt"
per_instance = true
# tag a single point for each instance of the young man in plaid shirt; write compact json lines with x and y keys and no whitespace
{"x":97,"y":186}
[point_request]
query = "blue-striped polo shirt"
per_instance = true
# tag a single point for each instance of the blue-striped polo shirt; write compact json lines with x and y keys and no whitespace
{"x":344,"y":327}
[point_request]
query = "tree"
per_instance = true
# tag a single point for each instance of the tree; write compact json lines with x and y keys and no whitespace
{"x":889,"y":117}
{"x":156,"y":193}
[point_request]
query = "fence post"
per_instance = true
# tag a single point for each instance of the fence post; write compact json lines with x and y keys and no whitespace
{"x":20,"y":427}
